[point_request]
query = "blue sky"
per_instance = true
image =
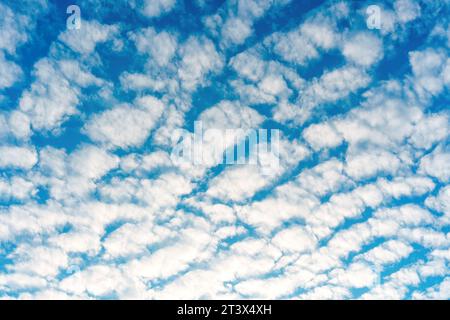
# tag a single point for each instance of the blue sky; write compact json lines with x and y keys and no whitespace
{"x":353,"y":201}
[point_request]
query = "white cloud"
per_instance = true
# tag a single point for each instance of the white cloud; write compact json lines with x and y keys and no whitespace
{"x":194,"y":247}
{"x":429,"y":71}
{"x":10,"y":72}
{"x":16,"y":188}
{"x":363,"y":48}
{"x":248,"y":65}
{"x":45,"y":261}
{"x":235,"y":31}
{"x":439,"y":291}
{"x":97,"y":280}
{"x":84,"y":241}
{"x":331,"y":86}
{"x":17,"y":157}
{"x":91,"y":162}
{"x":303,"y":44}
{"x":55,"y":93}
{"x":357,"y":190}
{"x":85,"y":39}
{"x":326,"y":293}
{"x":13,"y":29}
{"x":322,"y":135}
{"x":356,"y":275}
{"x":430,"y":130}
{"x":334,"y":85}
{"x":388,"y":252}
{"x":199,"y":58}
{"x":371,"y":162}
{"x":407,"y":10}
{"x":132,"y":239}
{"x":18,"y":281}
{"x":125,"y":126}
{"x":156,"y":8}
{"x":441,"y":202}
{"x":295,"y":240}
{"x":140,"y":81}
{"x":19,"y":124}
{"x":160,"y":47}
{"x":437,"y":164}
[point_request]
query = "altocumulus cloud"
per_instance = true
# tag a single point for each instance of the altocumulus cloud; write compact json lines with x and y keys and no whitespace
{"x":92,"y":205}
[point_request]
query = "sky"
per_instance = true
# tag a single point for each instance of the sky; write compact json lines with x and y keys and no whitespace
{"x":103,"y":194}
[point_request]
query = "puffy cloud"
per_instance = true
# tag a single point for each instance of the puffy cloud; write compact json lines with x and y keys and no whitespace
{"x":161,"y":47}
{"x":389,"y":252}
{"x":199,"y":58}
{"x":354,"y":205}
{"x":407,"y":10}
{"x":125,"y":126}
{"x":363,"y":48}
{"x":439,"y":291}
{"x":429,"y":69}
{"x":98,"y":281}
{"x":437,"y":164}
{"x":357,"y":275}
{"x":303,"y":44}
{"x":370,"y":163}
{"x":235,"y":30}
{"x":295,"y":240}
{"x":41,"y":260}
{"x":195,"y":247}
{"x":441,"y":202}
{"x":54,"y":95}
{"x":92,"y":162}
{"x":430,"y":130}
{"x":19,"y":124}
{"x":139,"y":81}
{"x":153,"y":9}
{"x":248,"y":65}
{"x":10,"y":71}
{"x":17,"y":157}
{"x":331,"y":86}
{"x":13,"y":29}
{"x":85,"y":39}
{"x":322,"y":135}
{"x":16,"y":188}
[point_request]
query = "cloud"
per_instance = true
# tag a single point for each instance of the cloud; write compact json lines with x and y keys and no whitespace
{"x":429,"y":69}
{"x":13,"y":29}
{"x":295,"y":240}
{"x":235,"y":31}
{"x":85,"y":39}
{"x":354,"y":206}
{"x":55,"y":93}
{"x":16,"y":188}
{"x":436,"y":164}
{"x":331,"y":86}
{"x":388,"y":252}
{"x":17,"y":157}
{"x":407,"y":10}
{"x":441,"y":202}
{"x":199,"y":57}
{"x":160,"y":47}
{"x":92,"y":162}
{"x":153,"y":9}
{"x":303,"y":44}
{"x":363,"y":48}
{"x":139,"y":82}
{"x":10,"y":71}
{"x":125,"y":126}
